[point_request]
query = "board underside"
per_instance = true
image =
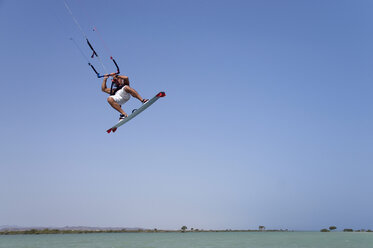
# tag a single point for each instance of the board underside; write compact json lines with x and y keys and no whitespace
{"x":136,"y":112}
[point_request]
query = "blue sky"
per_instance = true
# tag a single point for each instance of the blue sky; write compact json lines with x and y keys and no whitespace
{"x":267,"y":118}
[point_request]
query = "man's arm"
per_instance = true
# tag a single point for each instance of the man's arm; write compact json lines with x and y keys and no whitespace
{"x":114,"y":74}
{"x":125,"y":79}
{"x":122,"y":76}
{"x":104,"y":88}
{"x":110,"y":74}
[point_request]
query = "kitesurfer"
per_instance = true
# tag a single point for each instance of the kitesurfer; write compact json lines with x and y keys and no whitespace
{"x":121,"y":93}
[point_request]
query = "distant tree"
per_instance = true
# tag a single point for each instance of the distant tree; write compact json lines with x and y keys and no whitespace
{"x":192,"y":229}
{"x":155,"y":229}
{"x":262,"y":228}
{"x":324,"y":230}
{"x":183,"y":228}
{"x":331,"y":228}
{"x":348,"y":230}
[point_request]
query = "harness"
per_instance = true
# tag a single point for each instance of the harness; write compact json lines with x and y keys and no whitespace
{"x":117,"y":87}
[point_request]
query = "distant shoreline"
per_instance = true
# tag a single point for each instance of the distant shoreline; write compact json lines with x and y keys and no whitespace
{"x":81,"y":230}
{"x":65,"y":231}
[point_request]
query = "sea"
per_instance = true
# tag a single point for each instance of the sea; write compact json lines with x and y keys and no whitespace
{"x":192,"y":240}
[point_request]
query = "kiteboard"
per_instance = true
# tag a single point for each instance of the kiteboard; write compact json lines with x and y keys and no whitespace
{"x":136,"y":112}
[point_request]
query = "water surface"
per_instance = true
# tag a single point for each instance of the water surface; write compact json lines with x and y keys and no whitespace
{"x":191,"y":240}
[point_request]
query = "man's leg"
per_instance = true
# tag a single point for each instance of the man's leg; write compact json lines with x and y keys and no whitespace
{"x":116,"y":106}
{"x":135,"y":94}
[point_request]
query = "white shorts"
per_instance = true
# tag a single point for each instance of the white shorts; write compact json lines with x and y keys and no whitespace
{"x":121,"y":96}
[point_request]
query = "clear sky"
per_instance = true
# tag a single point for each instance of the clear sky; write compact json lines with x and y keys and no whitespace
{"x":267,"y":119}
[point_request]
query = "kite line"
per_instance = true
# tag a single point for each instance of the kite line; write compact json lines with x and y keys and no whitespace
{"x":94,"y":53}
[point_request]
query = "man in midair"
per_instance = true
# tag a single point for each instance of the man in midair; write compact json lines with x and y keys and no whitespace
{"x":121,"y":93}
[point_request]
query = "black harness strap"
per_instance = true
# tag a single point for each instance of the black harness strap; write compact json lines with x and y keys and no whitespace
{"x":111,"y":89}
{"x":114,"y":90}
